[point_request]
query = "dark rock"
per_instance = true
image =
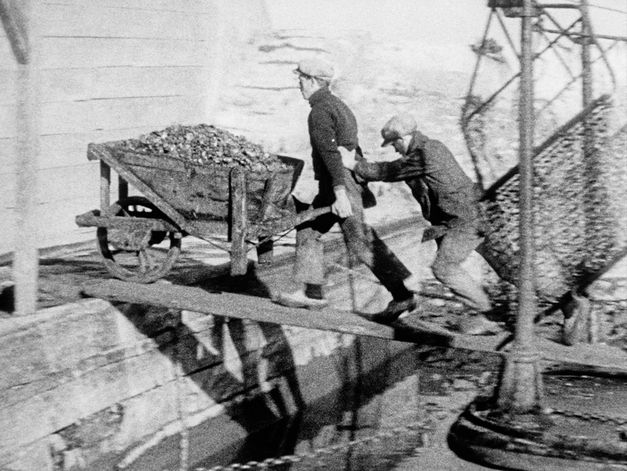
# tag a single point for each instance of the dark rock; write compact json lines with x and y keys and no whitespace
{"x":205,"y":145}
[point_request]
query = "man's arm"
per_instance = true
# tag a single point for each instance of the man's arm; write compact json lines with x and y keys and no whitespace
{"x":322,"y":132}
{"x":397,"y":170}
{"x":394,"y":171}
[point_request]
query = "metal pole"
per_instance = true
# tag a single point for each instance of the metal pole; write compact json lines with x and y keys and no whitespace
{"x":526,"y":297}
{"x":586,"y":69}
{"x":521,"y":389}
{"x":590,"y":165}
{"x":22,"y":33}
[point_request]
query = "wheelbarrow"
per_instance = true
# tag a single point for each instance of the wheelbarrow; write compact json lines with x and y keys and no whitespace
{"x":139,"y":236}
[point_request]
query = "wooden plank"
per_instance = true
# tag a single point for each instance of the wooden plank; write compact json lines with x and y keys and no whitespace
{"x":115,"y":52}
{"x":7,"y":59}
{"x":223,"y":303}
{"x":55,"y":222}
{"x":260,"y":310}
{"x":57,"y":184}
{"x":239,"y":218}
{"x":92,"y":115}
{"x":85,"y":83}
{"x":263,"y":310}
{"x":90,"y":219}
{"x":64,"y":150}
{"x":8,"y":83}
{"x":40,"y":415}
{"x":101,"y":20}
{"x":195,"y":6}
{"x":147,"y":191}
{"x":8,"y":121}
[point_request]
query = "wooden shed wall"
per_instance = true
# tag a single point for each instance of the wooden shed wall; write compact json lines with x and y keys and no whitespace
{"x":111,"y":69}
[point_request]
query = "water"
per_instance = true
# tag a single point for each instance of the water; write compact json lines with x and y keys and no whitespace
{"x":396,"y":418}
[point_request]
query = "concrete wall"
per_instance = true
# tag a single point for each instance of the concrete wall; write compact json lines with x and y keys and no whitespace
{"x":112,"y":69}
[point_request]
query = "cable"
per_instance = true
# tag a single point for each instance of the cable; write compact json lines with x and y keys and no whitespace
{"x":600,"y":7}
{"x":624,"y":12}
{"x":590,"y":36}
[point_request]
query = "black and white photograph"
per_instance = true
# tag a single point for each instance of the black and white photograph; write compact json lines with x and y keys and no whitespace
{"x":307,"y":235}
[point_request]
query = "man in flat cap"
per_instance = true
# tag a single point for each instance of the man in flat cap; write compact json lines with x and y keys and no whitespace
{"x":448,"y":200}
{"x":331,"y":124}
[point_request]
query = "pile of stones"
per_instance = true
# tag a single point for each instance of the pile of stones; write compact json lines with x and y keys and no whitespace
{"x":205,"y":144}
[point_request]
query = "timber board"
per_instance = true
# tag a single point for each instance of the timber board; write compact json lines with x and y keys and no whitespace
{"x":92,"y":115}
{"x":261,"y":309}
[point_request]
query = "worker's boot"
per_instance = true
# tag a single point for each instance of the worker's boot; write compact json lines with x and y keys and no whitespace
{"x":578,"y":324}
{"x":395,"y":309}
{"x":413,"y":283}
{"x":478,"y":324}
{"x":299,"y":299}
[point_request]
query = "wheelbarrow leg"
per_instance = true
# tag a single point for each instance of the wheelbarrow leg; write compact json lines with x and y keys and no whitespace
{"x":239,"y":223}
{"x":105,"y":186}
{"x":272,"y":191}
{"x":122,"y":189}
{"x":265,"y":251}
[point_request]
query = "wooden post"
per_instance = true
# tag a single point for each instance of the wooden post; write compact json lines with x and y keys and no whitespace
{"x":20,"y":23}
{"x":122,"y":188}
{"x":105,"y":186}
{"x":265,"y":250}
{"x":239,"y":222}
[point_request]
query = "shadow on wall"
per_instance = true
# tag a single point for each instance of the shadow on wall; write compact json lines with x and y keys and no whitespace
{"x":277,"y":388}
{"x":250,"y":369}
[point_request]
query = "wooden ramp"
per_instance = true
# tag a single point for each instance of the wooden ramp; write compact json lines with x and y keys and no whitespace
{"x":259,"y":309}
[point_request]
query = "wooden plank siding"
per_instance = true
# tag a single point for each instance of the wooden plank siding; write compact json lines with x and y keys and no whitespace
{"x":90,"y":83}
{"x":110,"y":69}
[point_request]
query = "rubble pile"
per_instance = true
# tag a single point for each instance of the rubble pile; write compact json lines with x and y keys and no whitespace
{"x":205,"y":144}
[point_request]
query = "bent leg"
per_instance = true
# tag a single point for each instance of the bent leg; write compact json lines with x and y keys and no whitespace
{"x":505,"y":271}
{"x":453,"y":249}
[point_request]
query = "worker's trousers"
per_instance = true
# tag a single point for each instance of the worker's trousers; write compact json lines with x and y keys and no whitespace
{"x":453,"y":249}
{"x":362,"y":243}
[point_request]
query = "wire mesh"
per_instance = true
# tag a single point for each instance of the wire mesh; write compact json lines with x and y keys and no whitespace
{"x":580,"y":206}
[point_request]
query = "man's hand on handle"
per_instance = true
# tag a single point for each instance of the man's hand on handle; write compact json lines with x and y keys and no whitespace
{"x":348,"y":157}
{"x":342,"y":205}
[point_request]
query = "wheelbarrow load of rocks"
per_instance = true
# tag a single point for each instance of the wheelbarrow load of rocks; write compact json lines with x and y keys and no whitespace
{"x":199,"y":181}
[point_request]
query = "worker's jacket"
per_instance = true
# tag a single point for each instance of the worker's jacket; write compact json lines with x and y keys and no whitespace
{"x":331,"y":124}
{"x":445,"y":193}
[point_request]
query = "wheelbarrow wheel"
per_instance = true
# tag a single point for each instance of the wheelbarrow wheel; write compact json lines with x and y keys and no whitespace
{"x":143,"y":257}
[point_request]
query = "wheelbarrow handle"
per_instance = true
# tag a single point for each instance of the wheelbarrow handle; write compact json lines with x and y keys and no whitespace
{"x":289,"y":223}
{"x":310,"y":214}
